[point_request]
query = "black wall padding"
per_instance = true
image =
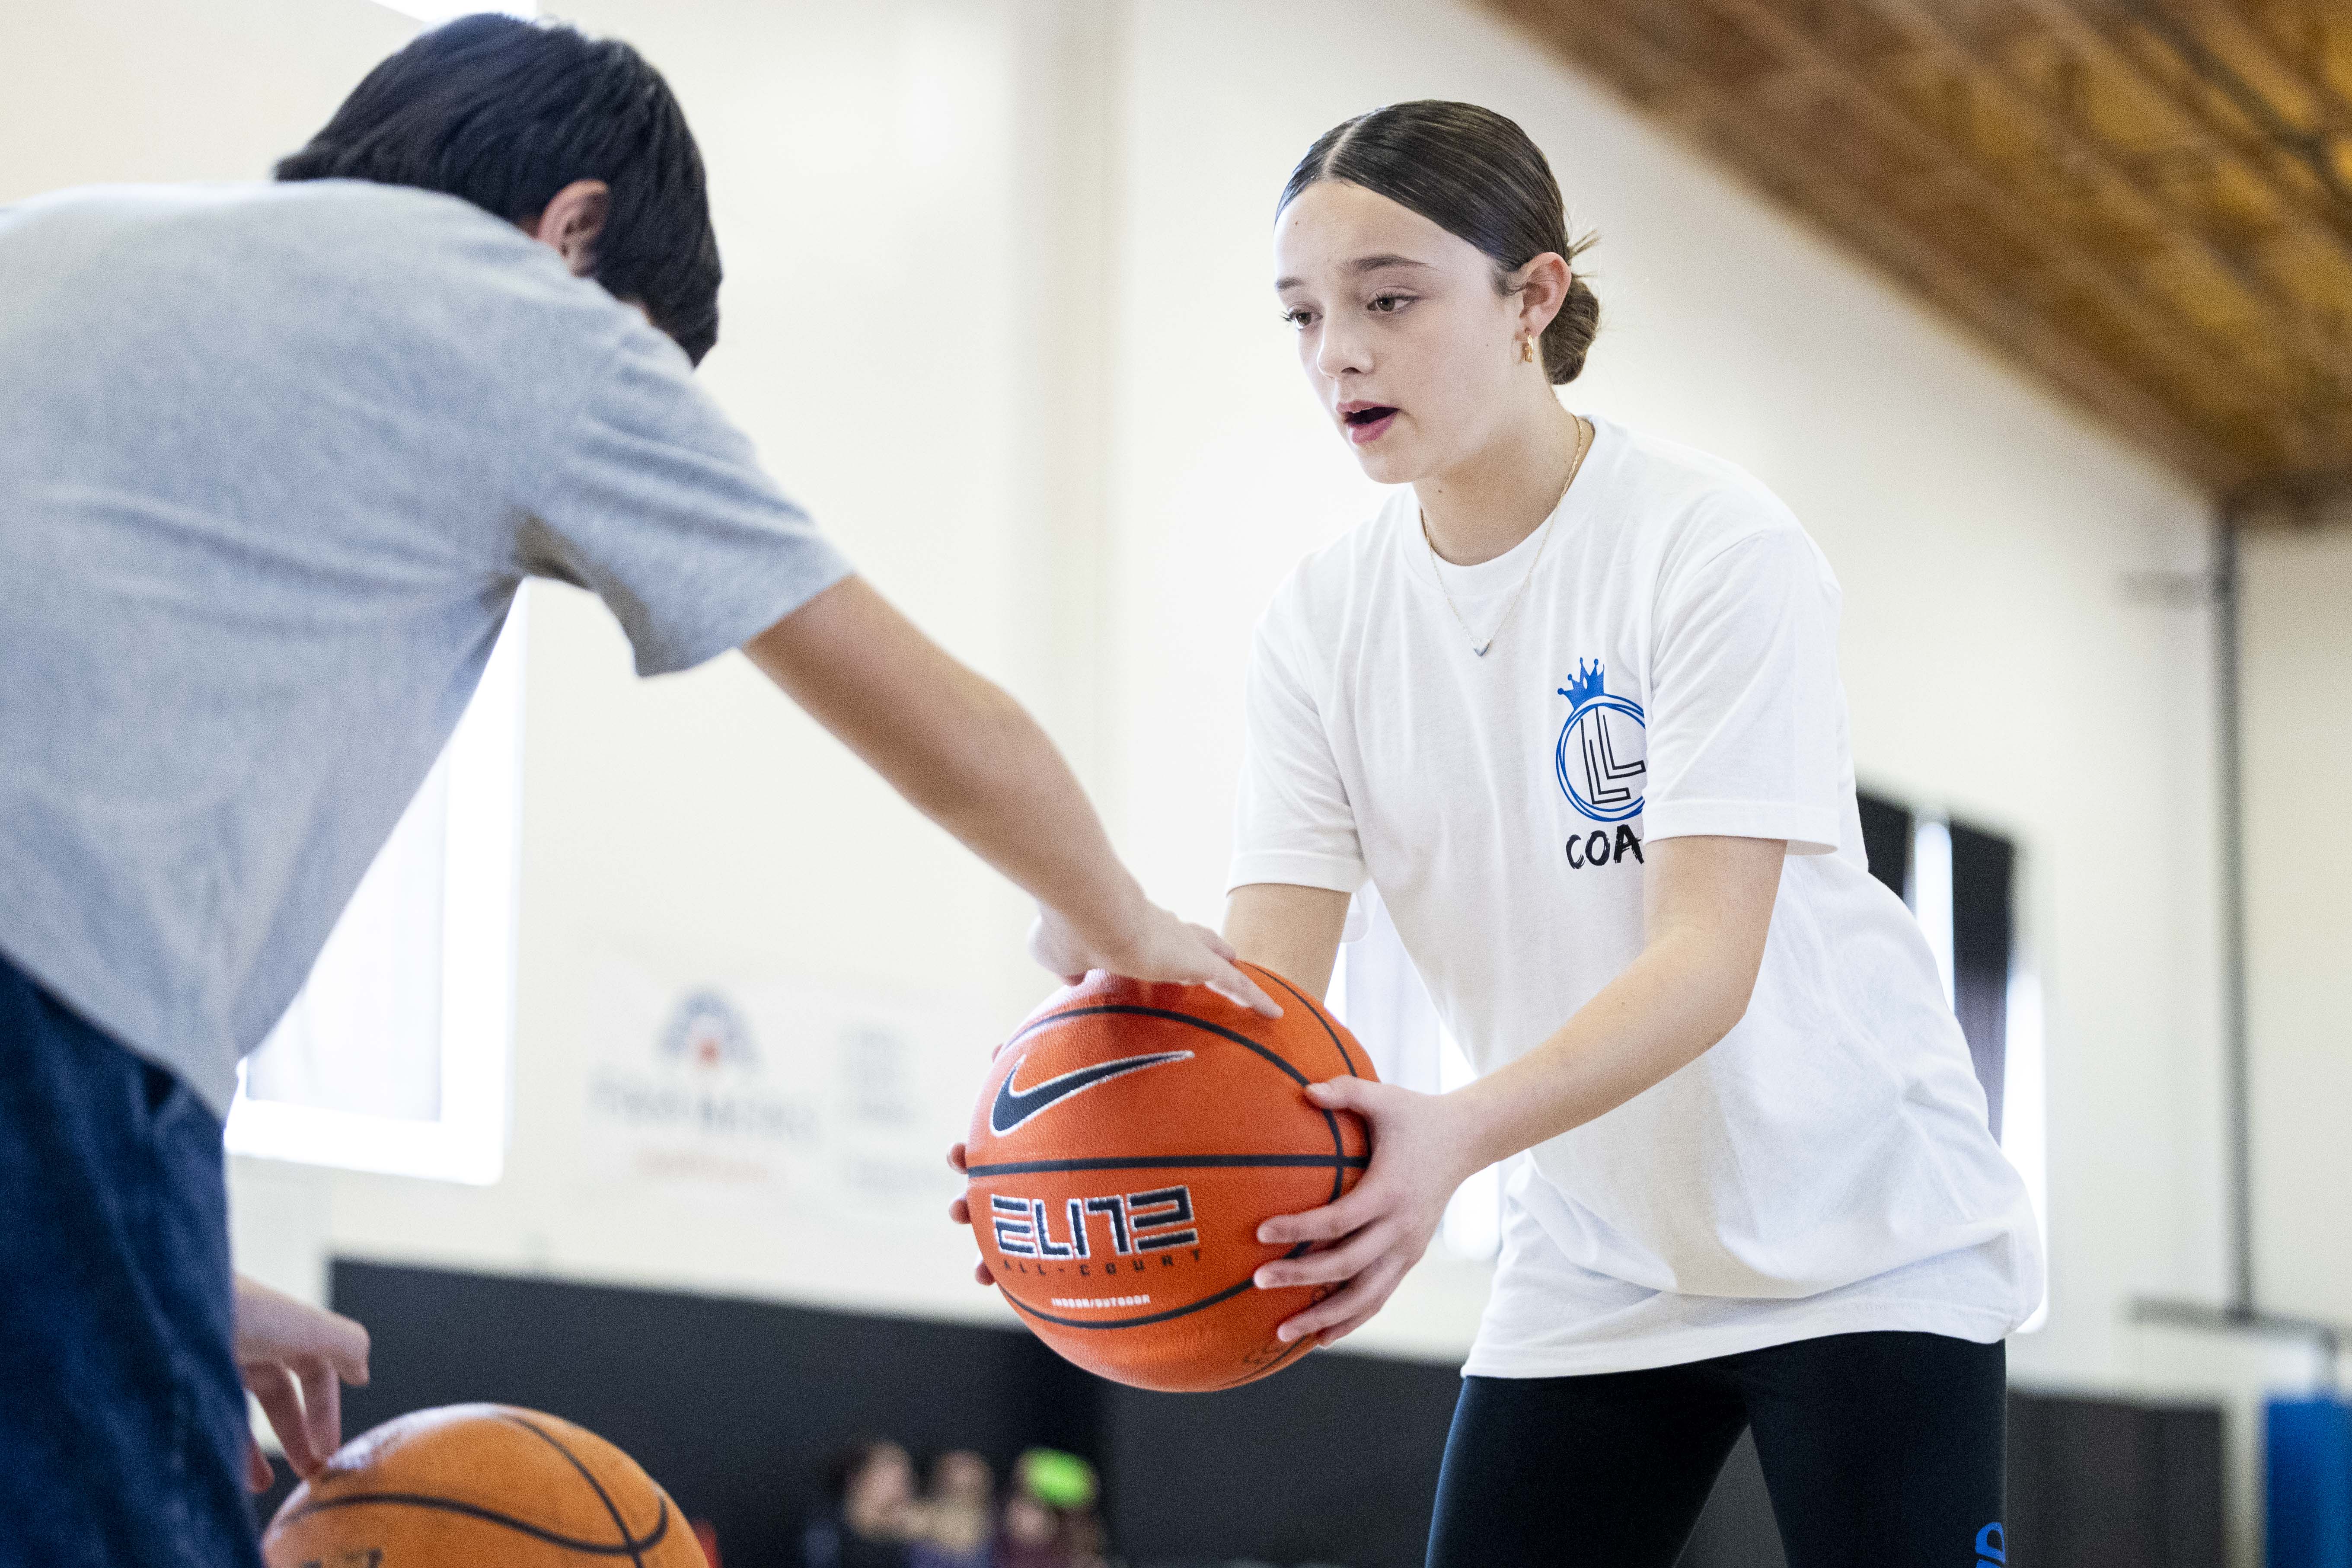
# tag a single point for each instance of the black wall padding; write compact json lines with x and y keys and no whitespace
{"x":2101,"y":1483}
{"x":735,"y":1405}
{"x":1984,"y":932}
{"x":1333,"y":1460}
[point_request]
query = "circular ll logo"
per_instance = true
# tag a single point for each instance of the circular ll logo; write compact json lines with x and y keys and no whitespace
{"x":1602,"y":758}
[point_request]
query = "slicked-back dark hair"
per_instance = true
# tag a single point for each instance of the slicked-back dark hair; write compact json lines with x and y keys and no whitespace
{"x":506,"y":113}
{"x":1475,"y":174}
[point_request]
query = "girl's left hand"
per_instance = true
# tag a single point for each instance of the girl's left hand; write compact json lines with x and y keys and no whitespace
{"x":1422,"y":1150}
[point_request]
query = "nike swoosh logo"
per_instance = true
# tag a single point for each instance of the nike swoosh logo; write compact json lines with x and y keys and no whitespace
{"x":1014,"y":1107}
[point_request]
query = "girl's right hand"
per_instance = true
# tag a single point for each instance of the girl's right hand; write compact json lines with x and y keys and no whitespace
{"x":1423,"y":1146}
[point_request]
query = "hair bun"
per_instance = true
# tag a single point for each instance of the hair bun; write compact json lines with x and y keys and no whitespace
{"x":1569,"y":337}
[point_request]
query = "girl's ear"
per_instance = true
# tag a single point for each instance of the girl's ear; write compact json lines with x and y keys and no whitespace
{"x":1542,"y":289}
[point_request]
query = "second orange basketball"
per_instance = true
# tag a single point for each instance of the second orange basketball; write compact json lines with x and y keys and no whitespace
{"x":1127,"y":1143}
{"x":468,"y":1484}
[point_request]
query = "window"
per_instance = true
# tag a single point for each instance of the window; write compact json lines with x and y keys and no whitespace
{"x":1960,"y":881}
{"x":395,"y":1055}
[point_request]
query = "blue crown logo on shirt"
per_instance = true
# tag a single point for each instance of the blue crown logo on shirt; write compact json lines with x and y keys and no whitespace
{"x":1600,"y":760}
{"x":1586,"y":687}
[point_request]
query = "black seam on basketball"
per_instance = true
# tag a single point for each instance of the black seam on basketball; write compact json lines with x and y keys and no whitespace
{"x":1306,"y":1343}
{"x":490,"y":1516}
{"x":1133,"y":1010}
{"x":1172,"y":1162}
{"x":587,"y":1475}
{"x":1227,"y":1294}
{"x":1342,"y":1044}
{"x":1276,"y":1364}
{"x":1338,"y":1177}
{"x":1338,"y":1148}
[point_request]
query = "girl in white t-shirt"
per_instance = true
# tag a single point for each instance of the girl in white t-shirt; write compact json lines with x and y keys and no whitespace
{"x":1571,"y":703}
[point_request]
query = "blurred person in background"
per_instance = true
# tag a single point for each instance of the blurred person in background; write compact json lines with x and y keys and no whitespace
{"x":959,"y":1515}
{"x":873,"y":1514}
{"x":1085,"y":1540}
{"x":1049,"y":1519}
{"x":1031,"y":1535}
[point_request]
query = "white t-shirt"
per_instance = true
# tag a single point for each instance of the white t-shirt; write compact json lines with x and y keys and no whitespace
{"x":1826,"y":1167}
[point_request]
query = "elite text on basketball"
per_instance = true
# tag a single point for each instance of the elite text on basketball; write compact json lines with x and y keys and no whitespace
{"x":1131,"y":1222}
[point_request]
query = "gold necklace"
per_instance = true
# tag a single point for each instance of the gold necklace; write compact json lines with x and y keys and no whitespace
{"x":1576,"y":467}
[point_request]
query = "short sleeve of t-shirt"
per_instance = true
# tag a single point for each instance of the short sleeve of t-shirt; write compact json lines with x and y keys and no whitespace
{"x":1292,"y":821}
{"x":655,"y":502}
{"x":1744,"y":724}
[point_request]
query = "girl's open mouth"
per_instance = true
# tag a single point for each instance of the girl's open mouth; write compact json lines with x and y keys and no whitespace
{"x":1367,"y":423}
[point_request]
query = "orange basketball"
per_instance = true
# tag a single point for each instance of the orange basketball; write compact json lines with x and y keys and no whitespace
{"x":1128,"y":1142}
{"x":470,"y":1484}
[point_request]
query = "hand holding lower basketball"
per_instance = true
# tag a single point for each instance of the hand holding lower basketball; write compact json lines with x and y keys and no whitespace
{"x":1374,"y":1236}
{"x":1153,"y":946}
{"x":295,"y":1358}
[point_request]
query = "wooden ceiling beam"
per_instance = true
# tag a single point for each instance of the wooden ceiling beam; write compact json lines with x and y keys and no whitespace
{"x":2255,"y":158}
{"x":1927,"y":23}
{"x":2307,"y":148}
{"x":2286,"y":320}
{"x":2194,"y":355}
{"x":1597,"y":34}
{"x":2248,"y":34}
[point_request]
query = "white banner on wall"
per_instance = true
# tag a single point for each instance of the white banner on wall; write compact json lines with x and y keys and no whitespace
{"x":786,"y":1096}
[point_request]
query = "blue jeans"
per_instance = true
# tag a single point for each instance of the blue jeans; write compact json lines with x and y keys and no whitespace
{"x":122,"y":1423}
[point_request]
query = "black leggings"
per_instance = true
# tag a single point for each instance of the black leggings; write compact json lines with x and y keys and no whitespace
{"x":1880,"y":1450}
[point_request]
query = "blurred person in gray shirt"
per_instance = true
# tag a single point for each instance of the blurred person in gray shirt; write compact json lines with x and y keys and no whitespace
{"x":275,"y":459}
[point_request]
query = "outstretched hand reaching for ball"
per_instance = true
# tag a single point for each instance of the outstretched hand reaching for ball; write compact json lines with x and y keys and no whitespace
{"x":1422,"y":1150}
{"x":966,"y":755}
{"x":1151,"y":944}
{"x":295,"y":1358}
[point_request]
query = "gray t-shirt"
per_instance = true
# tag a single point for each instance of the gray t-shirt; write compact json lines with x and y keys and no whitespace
{"x":273,"y":461}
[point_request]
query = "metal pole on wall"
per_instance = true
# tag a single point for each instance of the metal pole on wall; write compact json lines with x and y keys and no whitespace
{"x":2229,"y":698}
{"x":2239,"y":1313}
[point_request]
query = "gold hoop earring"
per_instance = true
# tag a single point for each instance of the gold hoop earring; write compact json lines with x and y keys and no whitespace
{"x":1527,"y":350}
